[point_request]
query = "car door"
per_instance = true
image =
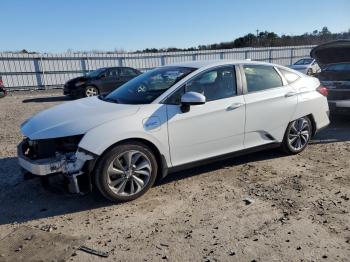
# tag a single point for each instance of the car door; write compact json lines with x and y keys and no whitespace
{"x":270,"y":104}
{"x":212,"y":129}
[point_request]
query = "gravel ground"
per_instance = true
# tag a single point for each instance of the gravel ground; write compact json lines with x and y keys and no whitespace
{"x":259,"y":207}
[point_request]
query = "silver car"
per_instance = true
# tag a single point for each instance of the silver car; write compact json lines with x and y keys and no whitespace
{"x":306,"y":66}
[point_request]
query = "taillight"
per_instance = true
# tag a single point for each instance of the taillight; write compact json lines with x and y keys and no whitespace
{"x":322,"y":90}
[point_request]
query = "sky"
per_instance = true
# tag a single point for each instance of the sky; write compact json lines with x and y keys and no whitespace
{"x":106,"y":25}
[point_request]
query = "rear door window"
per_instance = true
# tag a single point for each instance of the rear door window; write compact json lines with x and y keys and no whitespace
{"x":113,"y":73}
{"x":261,"y":77}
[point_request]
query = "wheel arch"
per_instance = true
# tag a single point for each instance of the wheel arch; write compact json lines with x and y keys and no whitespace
{"x":313,"y":123}
{"x":312,"y":120}
{"x":93,"y":85}
{"x":161,"y":161}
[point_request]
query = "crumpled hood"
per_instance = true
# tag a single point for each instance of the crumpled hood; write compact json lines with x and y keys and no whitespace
{"x":74,"y":118}
{"x":332,"y":53}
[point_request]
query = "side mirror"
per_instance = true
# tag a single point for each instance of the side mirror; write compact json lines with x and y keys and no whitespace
{"x":190,"y":99}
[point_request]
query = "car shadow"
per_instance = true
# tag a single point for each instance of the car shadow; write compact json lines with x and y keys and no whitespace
{"x":47,"y":99}
{"x":222,"y":164}
{"x":24,"y":199}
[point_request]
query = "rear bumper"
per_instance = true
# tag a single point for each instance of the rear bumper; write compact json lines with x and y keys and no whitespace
{"x":339,"y":106}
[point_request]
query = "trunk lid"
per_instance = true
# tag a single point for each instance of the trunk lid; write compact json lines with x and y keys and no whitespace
{"x":334,"y":52}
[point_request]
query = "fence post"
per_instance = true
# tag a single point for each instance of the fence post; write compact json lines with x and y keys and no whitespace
{"x":38,"y":71}
{"x":120,"y":61}
{"x":246,"y":52}
{"x":291,"y":55}
{"x":270,"y":55}
{"x":221,"y":55}
{"x":43,"y":72}
{"x":83,"y":65}
{"x":194,"y":57}
{"x":162,"y":60}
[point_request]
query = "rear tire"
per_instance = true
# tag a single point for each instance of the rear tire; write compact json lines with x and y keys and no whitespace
{"x":309,"y":72}
{"x":126,"y":172}
{"x":297,"y":136}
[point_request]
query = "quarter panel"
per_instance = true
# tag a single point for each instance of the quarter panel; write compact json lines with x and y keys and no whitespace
{"x":268,"y":113}
{"x":311,"y":102}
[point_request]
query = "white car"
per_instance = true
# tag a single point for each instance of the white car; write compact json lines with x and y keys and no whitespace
{"x":306,"y":66}
{"x":171,"y":118}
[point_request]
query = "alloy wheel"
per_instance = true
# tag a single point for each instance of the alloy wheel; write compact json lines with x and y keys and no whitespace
{"x":129,"y":173}
{"x":91,"y":91}
{"x":299,"y":134}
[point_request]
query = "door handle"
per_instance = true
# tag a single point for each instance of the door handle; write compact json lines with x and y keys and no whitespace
{"x":234,"y":106}
{"x":289,"y":94}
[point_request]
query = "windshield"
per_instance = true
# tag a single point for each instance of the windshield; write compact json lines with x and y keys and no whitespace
{"x":305,"y":61}
{"x":96,"y":72}
{"x":147,"y":87}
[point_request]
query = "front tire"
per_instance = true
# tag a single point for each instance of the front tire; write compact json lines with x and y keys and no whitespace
{"x":91,"y":91}
{"x":309,"y":72}
{"x":297,"y":136}
{"x":126,"y":172}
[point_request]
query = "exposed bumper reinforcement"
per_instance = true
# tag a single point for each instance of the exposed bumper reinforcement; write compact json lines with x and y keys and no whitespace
{"x":58,"y":164}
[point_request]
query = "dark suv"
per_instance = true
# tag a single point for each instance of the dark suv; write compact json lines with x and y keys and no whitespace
{"x":101,"y":81}
{"x":334,"y":59}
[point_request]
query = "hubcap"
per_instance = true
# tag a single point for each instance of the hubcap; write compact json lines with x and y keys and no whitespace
{"x":299,"y":134}
{"x":91,"y":91}
{"x":129,"y":173}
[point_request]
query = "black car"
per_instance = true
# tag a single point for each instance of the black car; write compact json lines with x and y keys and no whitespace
{"x":99,"y":82}
{"x":2,"y":89}
{"x":334,"y":60}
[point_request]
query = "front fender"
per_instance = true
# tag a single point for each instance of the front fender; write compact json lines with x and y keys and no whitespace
{"x":150,"y":125}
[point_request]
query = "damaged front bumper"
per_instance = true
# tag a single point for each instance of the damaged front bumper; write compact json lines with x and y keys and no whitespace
{"x":69,"y":164}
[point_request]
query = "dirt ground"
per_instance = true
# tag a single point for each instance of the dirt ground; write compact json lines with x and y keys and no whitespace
{"x":260,"y":207}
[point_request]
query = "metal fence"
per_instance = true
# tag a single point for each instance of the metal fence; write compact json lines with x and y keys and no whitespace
{"x":32,"y":71}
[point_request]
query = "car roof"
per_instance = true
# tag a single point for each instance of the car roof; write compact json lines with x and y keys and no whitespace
{"x":307,"y":57}
{"x":114,"y":67}
{"x":210,"y":63}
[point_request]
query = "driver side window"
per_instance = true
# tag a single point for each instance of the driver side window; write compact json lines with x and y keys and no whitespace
{"x":214,"y":84}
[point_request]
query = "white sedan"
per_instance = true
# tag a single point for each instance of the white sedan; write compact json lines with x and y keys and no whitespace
{"x":171,"y":118}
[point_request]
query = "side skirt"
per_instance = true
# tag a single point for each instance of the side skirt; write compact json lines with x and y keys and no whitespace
{"x":218,"y":158}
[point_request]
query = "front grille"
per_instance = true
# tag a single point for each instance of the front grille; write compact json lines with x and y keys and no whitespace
{"x":338,"y":95}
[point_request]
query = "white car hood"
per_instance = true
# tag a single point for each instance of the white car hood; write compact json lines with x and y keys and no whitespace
{"x":74,"y":118}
